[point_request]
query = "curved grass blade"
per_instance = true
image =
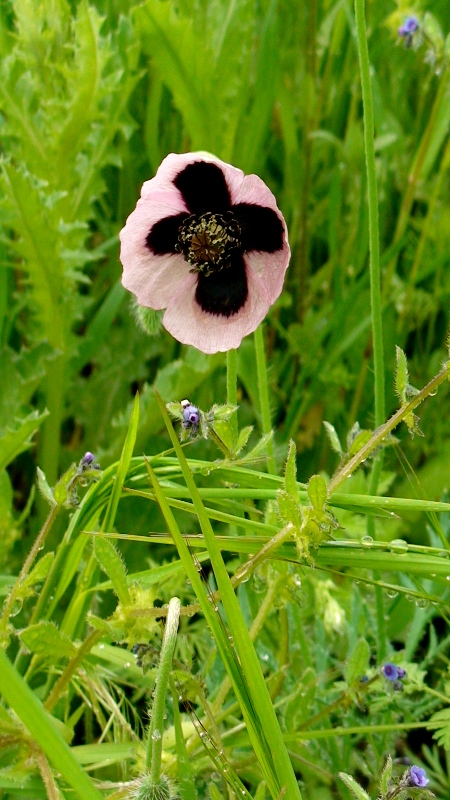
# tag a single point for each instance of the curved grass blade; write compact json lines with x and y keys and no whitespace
{"x":31,"y":712}
{"x":251,"y":670}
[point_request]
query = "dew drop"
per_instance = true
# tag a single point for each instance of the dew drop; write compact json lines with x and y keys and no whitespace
{"x":156,"y":735}
{"x":16,"y":608}
{"x":367,"y":541}
{"x":421,"y":602}
{"x":398,"y":546}
{"x":127,"y":664}
{"x":392,"y":593}
{"x":101,"y":647}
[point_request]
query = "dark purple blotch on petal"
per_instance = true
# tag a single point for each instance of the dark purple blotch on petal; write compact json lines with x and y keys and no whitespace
{"x":224,"y":292}
{"x":164,"y":234}
{"x":203,"y":187}
{"x":261,"y":228}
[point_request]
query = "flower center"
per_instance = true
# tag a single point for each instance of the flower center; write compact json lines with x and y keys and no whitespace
{"x":208,"y":241}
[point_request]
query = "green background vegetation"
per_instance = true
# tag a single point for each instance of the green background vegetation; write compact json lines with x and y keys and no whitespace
{"x":92,"y":97}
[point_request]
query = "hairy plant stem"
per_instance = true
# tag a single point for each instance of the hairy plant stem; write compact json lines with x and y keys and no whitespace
{"x":38,"y":545}
{"x":155,"y":732}
{"x":242,"y":574}
{"x":261,"y":366}
{"x":383,"y":430}
{"x":64,"y":679}
{"x":232,"y":388}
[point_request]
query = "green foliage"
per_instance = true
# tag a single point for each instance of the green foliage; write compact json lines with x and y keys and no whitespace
{"x":277,"y":671}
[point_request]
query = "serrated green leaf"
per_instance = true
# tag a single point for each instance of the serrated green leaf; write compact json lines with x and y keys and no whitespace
{"x":38,"y":245}
{"x":111,"y":563}
{"x":45,"y":490}
{"x":260,"y":447}
{"x":39,"y":571}
{"x":289,"y":509}
{"x":290,"y":472}
{"x":359,"y":441}
{"x":401,"y":374}
{"x":244,"y":435}
{"x":358,"y":662}
{"x":386,"y":777}
{"x":44,"y":638}
{"x":317,"y":492}
{"x":356,"y":790}
{"x":223,"y":430}
{"x":175,"y":410}
{"x":222,"y":412}
{"x":18,"y":439}
{"x":333,"y":437}
{"x":148,"y":319}
{"x":183,"y":60}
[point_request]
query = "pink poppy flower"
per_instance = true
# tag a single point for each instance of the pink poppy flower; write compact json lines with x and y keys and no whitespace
{"x":208,"y":244}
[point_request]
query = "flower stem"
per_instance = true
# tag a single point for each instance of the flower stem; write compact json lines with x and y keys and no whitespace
{"x":154,"y":741}
{"x":261,"y":366}
{"x":374,"y":244}
{"x":37,"y":546}
{"x":383,"y":430}
{"x":375,"y":276}
{"x":232,"y":388}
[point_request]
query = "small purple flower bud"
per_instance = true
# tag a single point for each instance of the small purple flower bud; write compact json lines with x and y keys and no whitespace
{"x":390,"y":671}
{"x":409,"y":27}
{"x":88,"y":458}
{"x":191,"y":416}
{"x":401,"y":673}
{"x":418,"y":777}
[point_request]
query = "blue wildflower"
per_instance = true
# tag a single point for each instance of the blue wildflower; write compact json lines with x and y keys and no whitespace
{"x":191,"y":417}
{"x":418,"y":777}
{"x":409,"y":26}
{"x":390,"y":671}
{"x":408,"y":29}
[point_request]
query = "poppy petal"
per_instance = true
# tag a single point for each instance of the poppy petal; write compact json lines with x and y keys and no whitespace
{"x":154,"y":279}
{"x":271,"y":267}
{"x":163,"y":236}
{"x":203,"y":187}
{"x":223,"y":293}
{"x":261,"y":227}
{"x":214,"y":333}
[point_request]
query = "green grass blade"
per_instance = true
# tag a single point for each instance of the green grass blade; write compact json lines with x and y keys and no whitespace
{"x":223,"y":645}
{"x":122,"y":469}
{"x":249,"y":662}
{"x":32,"y":714}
